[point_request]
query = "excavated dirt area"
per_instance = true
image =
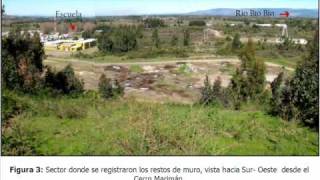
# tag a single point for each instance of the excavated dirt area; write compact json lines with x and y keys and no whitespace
{"x":179,"y":82}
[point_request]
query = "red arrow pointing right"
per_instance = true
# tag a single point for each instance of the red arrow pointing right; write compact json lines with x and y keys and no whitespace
{"x":286,"y":14}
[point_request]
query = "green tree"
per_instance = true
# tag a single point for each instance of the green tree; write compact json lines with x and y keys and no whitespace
{"x":87,"y":34}
{"x":155,"y":38}
{"x":197,"y":23}
{"x":305,"y":86}
{"x":186,"y":37}
{"x":67,"y":82}
{"x":217,"y":92}
{"x":105,"y":87}
{"x":236,"y":43}
{"x":105,"y":44}
{"x":275,"y":100}
{"x":174,"y":40}
{"x":206,"y":92}
{"x":249,"y":80}
{"x":22,"y":61}
{"x":108,"y":88}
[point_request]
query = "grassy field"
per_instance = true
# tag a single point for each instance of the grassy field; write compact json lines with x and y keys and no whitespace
{"x":88,"y":125}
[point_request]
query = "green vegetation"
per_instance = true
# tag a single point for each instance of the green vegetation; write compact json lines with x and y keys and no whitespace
{"x":109,"y":88}
{"x":299,"y":98}
{"x":197,"y":23}
{"x":136,"y":69}
{"x":155,"y":38}
{"x":119,"y":39}
{"x":48,"y":112}
{"x":153,"y":23}
{"x":127,"y":127}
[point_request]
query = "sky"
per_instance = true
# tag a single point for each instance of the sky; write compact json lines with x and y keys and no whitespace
{"x":138,"y":7}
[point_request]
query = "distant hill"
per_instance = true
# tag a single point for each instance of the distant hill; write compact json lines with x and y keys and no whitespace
{"x":311,"y":13}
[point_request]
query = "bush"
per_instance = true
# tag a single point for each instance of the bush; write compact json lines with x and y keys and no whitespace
{"x":213,"y":94}
{"x":174,"y":40}
{"x":64,"y":81}
{"x":197,"y":23}
{"x":236,"y":43}
{"x":22,"y":62}
{"x":108,"y":88}
{"x":119,"y":39}
{"x":153,"y":23}
{"x":70,"y":111}
{"x":275,"y":100}
{"x":248,"y":83}
{"x":300,"y":96}
{"x":186,"y":37}
{"x":10,"y":106}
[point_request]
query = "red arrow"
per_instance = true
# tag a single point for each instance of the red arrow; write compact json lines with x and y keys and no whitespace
{"x":72,"y":26}
{"x":286,"y":14}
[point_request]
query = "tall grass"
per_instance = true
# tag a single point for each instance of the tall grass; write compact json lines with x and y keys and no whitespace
{"x":128,"y":127}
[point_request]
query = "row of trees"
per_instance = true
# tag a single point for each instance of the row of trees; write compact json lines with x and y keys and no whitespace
{"x":119,"y":39}
{"x":23,"y":70}
{"x":292,"y":98}
{"x":174,"y":39}
{"x":248,"y":82}
{"x":125,"y":38}
{"x":298,"y":97}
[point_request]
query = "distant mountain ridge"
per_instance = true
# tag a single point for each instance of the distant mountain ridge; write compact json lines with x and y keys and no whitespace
{"x":311,"y":13}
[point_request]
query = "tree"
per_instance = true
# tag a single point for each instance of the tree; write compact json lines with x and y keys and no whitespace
{"x":67,"y":82}
{"x":305,"y":86}
{"x":174,"y":40}
{"x":119,"y":39}
{"x":155,"y":38}
{"x":206,"y":92}
{"x":186,"y":37}
{"x":153,"y":23}
{"x":197,"y":23}
{"x":105,"y":87}
{"x":236,"y":43}
{"x":108,"y":88}
{"x":217,"y":90}
{"x":87,"y":34}
{"x":22,"y":61}
{"x":249,"y":80}
{"x":105,"y":44}
{"x":275,"y":100}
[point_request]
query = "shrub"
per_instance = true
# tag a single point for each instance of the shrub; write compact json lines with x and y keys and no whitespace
{"x":206,"y":92}
{"x":64,"y":81}
{"x":71,"y":111}
{"x":10,"y":106}
{"x":248,"y":83}
{"x":186,"y":37}
{"x":236,"y":43}
{"x":153,"y":23}
{"x":174,"y":40}
{"x":303,"y":88}
{"x":275,"y":100}
{"x":215,"y":94}
{"x":108,"y":88}
{"x":155,"y":38}
{"x":197,"y":23}
{"x":22,"y":62}
{"x":119,"y":39}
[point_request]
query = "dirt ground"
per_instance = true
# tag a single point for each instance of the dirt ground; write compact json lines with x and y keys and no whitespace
{"x":173,"y":81}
